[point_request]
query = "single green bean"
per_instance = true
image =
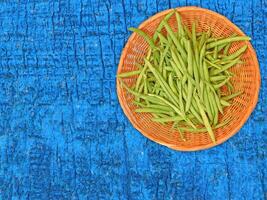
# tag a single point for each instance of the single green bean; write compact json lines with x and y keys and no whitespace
{"x":179,"y":24}
{"x":225,"y":67}
{"x":161,"y":24}
{"x":216,"y":117}
{"x":188,"y":33}
{"x":206,"y":71}
{"x":128,"y":74}
{"x":189,"y":58}
{"x":144,"y":35}
{"x":151,"y":110}
{"x":237,"y":53}
{"x":168,"y":119}
{"x":202,"y":41}
{"x":226,"y":49}
{"x":205,"y":120}
{"x":230,"y":87}
{"x":218,"y":78}
{"x":215,"y":52}
{"x":207,"y":103}
{"x":227,"y":40}
{"x":224,"y":102}
{"x":189,"y":95}
{"x":226,"y":98}
{"x":194,"y":38}
{"x":181,"y":103}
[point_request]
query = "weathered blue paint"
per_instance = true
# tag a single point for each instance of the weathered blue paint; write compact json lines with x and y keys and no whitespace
{"x":63,"y":134}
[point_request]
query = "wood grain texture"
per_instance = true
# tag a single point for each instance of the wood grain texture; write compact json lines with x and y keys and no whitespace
{"x":63,"y":134}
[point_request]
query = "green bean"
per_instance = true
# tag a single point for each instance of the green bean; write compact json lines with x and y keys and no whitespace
{"x":206,"y":71}
{"x":210,"y":40}
{"x":237,"y":53}
{"x":216,"y":117}
{"x":196,"y":114}
{"x":151,"y":110}
{"x":226,"y":49}
{"x":144,"y":35}
{"x":181,"y":103}
{"x":164,"y":73}
{"x":224,"y":102}
{"x":215,"y":52}
{"x":226,"y":98}
{"x":164,"y":55}
{"x":184,"y":79}
{"x":194,"y":38}
{"x":189,"y":95}
{"x":161,"y":107}
{"x":127,"y":74}
{"x":227,"y":40}
{"x":181,"y":134}
{"x":225,"y":67}
{"x":168,"y":119}
{"x":179,"y":24}
{"x":218,"y":78}
{"x":207,"y":103}
{"x":212,"y":103}
{"x":230,"y":87}
{"x":188,"y":33}
{"x":196,"y":72}
{"x":178,"y":61}
{"x":189,"y":58}
{"x":205,"y":120}
{"x":202,"y":41}
{"x":218,"y":103}
{"x":140,"y":77}
{"x":201,"y":89}
{"x":161,"y":24}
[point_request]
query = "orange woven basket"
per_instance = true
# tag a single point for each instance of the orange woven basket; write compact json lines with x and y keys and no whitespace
{"x":247,"y":79}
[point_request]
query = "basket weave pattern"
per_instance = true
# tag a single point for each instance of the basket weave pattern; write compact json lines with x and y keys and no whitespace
{"x":247,"y":79}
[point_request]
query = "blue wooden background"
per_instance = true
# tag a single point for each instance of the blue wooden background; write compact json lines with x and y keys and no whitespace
{"x":63,"y":134}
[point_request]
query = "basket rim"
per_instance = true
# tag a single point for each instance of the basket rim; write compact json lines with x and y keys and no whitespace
{"x":250,"y":109}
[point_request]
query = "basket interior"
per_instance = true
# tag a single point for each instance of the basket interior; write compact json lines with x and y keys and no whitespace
{"x":245,"y":79}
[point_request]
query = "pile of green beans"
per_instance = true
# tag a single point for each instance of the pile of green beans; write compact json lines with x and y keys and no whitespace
{"x":181,"y":78}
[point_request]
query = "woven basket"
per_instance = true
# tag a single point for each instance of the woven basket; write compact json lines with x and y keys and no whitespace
{"x":247,"y":79}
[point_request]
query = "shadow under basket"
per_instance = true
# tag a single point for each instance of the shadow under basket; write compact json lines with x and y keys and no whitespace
{"x":246,"y":79}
